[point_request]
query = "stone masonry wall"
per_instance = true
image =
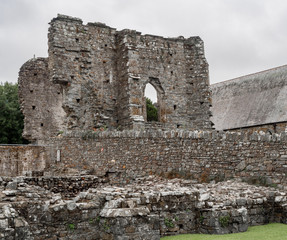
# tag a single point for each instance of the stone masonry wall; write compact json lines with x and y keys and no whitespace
{"x":82,"y":60}
{"x":178,"y":71}
{"x":147,"y":209}
{"x":203,"y":156}
{"x":40,"y":100}
{"x":124,"y":156}
{"x":22,"y":160}
{"x":104,"y":72}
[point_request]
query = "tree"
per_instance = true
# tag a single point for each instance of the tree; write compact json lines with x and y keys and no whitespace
{"x":151,"y":111}
{"x":11,"y":118}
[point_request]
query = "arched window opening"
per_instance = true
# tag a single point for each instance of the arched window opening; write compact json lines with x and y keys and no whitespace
{"x":151,"y":103}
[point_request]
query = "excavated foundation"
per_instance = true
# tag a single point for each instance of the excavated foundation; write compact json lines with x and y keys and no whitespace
{"x":146,"y":209}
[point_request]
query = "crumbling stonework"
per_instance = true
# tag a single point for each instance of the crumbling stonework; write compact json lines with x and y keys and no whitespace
{"x":23,"y":160}
{"x":40,"y":101}
{"x":146,"y":209}
{"x":95,"y":77}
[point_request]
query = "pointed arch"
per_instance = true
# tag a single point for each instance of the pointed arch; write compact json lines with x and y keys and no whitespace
{"x":150,"y":92}
{"x":160,"y":95}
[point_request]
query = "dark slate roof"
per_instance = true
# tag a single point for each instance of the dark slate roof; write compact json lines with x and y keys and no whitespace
{"x":255,"y":99}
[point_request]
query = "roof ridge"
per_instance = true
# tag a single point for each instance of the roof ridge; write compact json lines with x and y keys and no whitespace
{"x":251,"y":74}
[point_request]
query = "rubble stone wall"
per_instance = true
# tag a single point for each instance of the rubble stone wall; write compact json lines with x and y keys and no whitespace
{"x":177,"y":69}
{"x":82,"y":61}
{"x":22,"y":160}
{"x":124,"y":156}
{"x":40,"y":101}
{"x":146,"y":209}
{"x":203,"y":156}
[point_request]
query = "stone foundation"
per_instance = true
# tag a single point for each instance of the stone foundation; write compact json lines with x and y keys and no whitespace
{"x":147,"y":209}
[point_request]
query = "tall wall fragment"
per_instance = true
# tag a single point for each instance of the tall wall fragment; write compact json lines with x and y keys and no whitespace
{"x":40,"y":101}
{"x":102,"y":73}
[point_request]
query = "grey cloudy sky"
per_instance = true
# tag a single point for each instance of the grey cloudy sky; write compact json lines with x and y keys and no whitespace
{"x":240,"y":36}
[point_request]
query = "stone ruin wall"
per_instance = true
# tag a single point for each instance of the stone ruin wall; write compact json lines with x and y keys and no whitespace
{"x":147,"y":209}
{"x":124,"y":156}
{"x":22,"y":160}
{"x":82,"y":61}
{"x":40,"y":101}
{"x":95,"y":77}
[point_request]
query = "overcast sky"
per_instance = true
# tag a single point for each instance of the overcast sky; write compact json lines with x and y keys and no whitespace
{"x":240,"y":36}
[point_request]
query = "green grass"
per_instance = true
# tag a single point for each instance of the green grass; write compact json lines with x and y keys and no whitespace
{"x":273,"y":231}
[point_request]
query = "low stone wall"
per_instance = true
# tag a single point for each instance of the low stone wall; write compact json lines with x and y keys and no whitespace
{"x":145,"y":210}
{"x":19,"y":160}
{"x":120,"y":157}
{"x":202,"y":156}
{"x":67,"y":186}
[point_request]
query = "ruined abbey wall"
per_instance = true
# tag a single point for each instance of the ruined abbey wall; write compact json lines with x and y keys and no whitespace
{"x":82,"y":61}
{"x":177,"y":69}
{"x":22,"y":160}
{"x":95,"y":77}
{"x":40,"y":101}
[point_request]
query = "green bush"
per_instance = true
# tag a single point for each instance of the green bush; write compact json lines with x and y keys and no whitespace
{"x":151,"y":111}
{"x":11,"y":118}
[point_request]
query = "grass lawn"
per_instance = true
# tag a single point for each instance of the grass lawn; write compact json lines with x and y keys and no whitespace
{"x":273,"y":231}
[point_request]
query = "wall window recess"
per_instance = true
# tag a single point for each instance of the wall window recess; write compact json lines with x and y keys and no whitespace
{"x":154,"y":91}
{"x":151,"y":103}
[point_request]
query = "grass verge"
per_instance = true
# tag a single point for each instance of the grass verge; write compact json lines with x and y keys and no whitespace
{"x":274,"y":231}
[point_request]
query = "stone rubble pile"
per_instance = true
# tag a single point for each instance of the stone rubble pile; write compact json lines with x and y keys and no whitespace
{"x":146,"y":209}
